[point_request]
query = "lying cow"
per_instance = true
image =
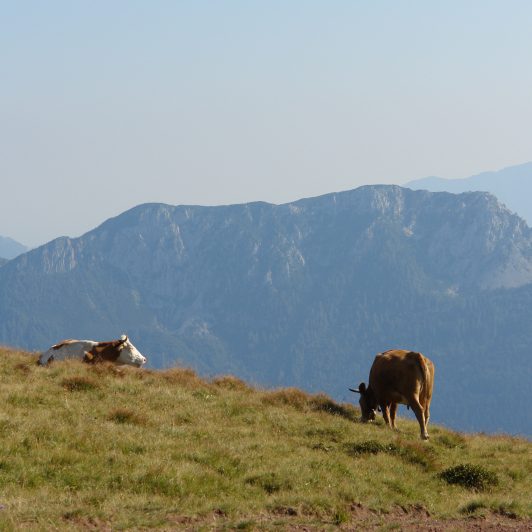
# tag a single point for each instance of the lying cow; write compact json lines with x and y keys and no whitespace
{"x":398,"y":377}
{"x":120,"y":352}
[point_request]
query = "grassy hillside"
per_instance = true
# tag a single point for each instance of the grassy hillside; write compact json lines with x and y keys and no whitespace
{"x":118,"y":449}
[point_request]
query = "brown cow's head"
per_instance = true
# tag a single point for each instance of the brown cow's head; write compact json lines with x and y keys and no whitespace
{"x":369,"y":411}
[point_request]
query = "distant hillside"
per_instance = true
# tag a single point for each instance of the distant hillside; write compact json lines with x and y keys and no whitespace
{"x":9,"y":248}
{"x":302,"y":294}
{"x":512,"y":186}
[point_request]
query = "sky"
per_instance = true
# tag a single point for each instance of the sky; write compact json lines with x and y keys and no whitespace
{"x":105,"y":105}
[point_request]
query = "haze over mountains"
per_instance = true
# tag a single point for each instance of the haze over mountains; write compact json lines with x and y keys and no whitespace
{"x":303,"y":294}
{"x":512,"y":186}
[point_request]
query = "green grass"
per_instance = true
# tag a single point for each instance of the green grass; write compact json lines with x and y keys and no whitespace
{"x":84,"y":447}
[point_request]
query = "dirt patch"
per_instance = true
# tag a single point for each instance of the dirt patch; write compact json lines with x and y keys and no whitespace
{"x":413,"y":518}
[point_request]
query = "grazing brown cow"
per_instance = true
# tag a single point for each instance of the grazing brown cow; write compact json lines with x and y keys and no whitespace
{"x":120,"y":352}
{"x":398,"y":377}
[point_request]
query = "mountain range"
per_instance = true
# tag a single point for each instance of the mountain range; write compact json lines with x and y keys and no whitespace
{"x":9,"y":249}
{"x":303,"y":294}
{"x":512,"y":186}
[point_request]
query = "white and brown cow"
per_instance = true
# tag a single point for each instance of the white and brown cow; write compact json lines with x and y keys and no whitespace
{"x":120,"y":352}
{"x":398,"y":377}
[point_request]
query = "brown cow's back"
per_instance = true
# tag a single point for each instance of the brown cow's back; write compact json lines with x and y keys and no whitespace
{"x":396,"y":374}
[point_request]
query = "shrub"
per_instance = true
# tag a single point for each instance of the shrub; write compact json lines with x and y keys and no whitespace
{"x":470,"y":476}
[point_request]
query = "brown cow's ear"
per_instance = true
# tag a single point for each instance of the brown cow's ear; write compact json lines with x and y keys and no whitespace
{"x":88,"y":357}
{"x":362,"y":387}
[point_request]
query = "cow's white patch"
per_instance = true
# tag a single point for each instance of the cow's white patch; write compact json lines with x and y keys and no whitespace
{"x":73,"y":349}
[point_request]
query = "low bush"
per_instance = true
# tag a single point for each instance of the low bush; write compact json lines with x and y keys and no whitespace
{"x":470,"y":476}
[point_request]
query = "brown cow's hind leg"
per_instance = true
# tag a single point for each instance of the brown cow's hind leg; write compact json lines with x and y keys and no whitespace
{"x":420,"y":415}
{"x":393,"y":413}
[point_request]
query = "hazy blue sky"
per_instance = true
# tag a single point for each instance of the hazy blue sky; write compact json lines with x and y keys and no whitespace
{"x":108,"y":104}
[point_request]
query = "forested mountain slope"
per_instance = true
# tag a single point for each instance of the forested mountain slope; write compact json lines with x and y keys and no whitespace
{"x":302,"y":294}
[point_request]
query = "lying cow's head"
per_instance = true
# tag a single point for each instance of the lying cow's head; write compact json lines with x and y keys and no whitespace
{"x":369,"y":412}
{"x":128,"y":353}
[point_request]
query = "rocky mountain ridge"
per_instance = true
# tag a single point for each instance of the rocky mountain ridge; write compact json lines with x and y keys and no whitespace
{"x":469,"y":239}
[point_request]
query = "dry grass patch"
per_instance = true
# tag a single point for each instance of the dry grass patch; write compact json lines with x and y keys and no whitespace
{"x":286,"y":396}
{"x":229,"y":382}
{"x":183,"y":377}
{"x":79,"y":383}
{"x":123,"y":415}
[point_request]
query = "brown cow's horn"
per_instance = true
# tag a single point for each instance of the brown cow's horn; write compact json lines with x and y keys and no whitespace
{"x":356,"y":391}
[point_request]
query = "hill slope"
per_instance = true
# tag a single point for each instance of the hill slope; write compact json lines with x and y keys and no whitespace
{"x":512,"y":185}
{"x":85,"y":447}
{"x":302,"y":294}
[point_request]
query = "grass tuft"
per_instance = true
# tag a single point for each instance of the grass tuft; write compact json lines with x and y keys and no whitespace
{"x":474,"y":505}
{"x":287,"y":396}
{"x":451,"y":440}
{"x":123,"y":415}
{"x":183,"y":377}
{"x":270,"y":482}
{"x":231,"y":383}
{"x":367,"y":447}
{"x":419,"y":453}
{"x":79,"y":383}
{"x":323,"y":403}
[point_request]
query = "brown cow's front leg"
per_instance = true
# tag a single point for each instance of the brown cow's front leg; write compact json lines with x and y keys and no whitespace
{"x":393,"y":413}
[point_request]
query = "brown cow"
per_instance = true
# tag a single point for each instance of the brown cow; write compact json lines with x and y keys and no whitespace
{"x":398,"y":377}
